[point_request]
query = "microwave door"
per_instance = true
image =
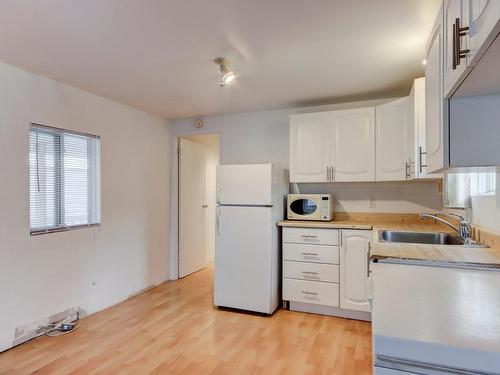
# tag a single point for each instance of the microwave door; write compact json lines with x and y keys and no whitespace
{"x":304,"y":207}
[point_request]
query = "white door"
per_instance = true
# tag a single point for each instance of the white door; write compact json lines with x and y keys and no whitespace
{"x":244,"y":259}
{"x":249,"y":184}
{"x":309,"y":147}
{"x":193,"y":246}
{"x":391,"y":122}
{"x":353,"y":140}
{"x":434,"y":99}
{"x":453,"y":9}
{"x":354,"y":256}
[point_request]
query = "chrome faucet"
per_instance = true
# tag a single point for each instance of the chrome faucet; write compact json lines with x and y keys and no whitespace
{"x":464,"y":228}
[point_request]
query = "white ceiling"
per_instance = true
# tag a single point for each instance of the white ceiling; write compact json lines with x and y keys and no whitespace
{"x":157,"y":55}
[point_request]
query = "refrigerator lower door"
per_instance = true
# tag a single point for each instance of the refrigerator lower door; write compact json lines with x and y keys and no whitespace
{"x":246,"y":264}
{"x":246,"y":184}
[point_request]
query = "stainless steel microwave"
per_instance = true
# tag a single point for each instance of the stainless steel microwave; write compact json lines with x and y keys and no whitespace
{"x":309,"y":207}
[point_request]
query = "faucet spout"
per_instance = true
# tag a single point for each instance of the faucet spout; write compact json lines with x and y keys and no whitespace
{"x":437,"y":218}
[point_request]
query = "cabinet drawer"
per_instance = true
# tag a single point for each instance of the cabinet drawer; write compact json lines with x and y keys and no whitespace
{"x":311,"y":271}
{"x":311,"y":236}
{"x":311,"y":253}
{"x":311,"y":292}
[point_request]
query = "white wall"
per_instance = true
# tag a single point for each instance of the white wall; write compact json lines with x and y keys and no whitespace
{"x":93,"y":268}
{"x":261,"y":137}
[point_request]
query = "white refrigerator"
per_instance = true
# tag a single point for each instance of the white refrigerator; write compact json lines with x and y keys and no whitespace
{"x":250,"y":202}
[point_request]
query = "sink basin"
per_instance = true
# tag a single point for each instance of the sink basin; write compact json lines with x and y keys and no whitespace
{"x":420,"y":237}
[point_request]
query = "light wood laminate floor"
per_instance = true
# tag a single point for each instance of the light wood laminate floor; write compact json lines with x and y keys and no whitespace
{"x":175,"y":329}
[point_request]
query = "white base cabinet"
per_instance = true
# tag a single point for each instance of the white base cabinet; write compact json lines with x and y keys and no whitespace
{"x":387,"y":371}
{"x":319,"y":276}
{"x":354,"y":267}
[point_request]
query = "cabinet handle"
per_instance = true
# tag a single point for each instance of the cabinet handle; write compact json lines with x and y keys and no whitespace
{"x":420,"y":160}
{"x":310,"y":293}
{"x":458,"y":53}
{"x":310,"y":254}
{"x":327,"y":174}
{"x":310,"y":272}
{"x":407,"y":170}
{"x":308,"y":236}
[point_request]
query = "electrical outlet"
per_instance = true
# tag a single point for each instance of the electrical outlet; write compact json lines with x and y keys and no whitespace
{"x":373,"y":202}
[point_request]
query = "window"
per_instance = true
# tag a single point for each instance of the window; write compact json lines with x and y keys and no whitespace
{"x":461,"y":186}
{"x":64,"y":179}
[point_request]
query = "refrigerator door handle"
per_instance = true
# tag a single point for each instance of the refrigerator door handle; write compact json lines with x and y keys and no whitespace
{"x":218,"y":221}
{"x":219,"y":191}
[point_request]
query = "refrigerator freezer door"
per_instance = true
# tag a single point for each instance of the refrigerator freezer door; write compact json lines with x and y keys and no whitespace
{"x":249,"y":184}
{"x":245,"y":259}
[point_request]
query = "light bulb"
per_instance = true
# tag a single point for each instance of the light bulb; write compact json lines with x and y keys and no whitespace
{"x":227,"y":78}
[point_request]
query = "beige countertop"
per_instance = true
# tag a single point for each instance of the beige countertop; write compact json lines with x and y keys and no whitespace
{"x":334,"y":224}
{"x":391,"y":252}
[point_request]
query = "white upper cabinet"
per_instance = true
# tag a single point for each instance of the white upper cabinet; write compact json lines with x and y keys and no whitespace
{"x":414,"y":110}
{"x":434,"y":97}
{"x":455,"y":23}
{"x":309,"y":147}
{"x":354,"y":255}
{"x":353,"y":140}
{"x":333,"y":146}
{"x":483,"y":18}
{"x":469,"y":30}
{"x":391,"y":123}
{"x":416,"y":149}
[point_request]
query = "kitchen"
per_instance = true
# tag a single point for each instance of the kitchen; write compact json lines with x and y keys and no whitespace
{"x":356,"y":276}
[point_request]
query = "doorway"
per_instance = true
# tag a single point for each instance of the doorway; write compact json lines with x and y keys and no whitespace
{"x":198,"y":160}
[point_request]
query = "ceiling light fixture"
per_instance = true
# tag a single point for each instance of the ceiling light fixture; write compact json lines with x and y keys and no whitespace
{"x":228,"y":75}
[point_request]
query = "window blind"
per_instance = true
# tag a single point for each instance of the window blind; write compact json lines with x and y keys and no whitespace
{"x":461,"y":186}
{"x":64,"y":179}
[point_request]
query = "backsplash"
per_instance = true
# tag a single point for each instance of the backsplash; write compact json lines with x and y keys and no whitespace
{"x":396,"y":197}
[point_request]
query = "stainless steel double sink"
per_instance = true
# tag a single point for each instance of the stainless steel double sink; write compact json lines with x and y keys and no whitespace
{"x":430,"y":238}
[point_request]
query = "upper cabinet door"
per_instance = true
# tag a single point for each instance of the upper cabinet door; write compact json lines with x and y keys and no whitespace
{"x":391,"y":122}
{"x":454,"y":67}
{"x":353,"y":139}
{"x":309,"y":147}
{"x":354,"y":255}
{"x":483,"y":18}
{"x":434,"y":135}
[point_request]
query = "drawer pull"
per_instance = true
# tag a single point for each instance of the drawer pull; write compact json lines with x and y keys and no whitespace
{"x":308,"y":236}
{"x":310,"y":293}
{"x":310,"y":254}
{"x":310,"y":272}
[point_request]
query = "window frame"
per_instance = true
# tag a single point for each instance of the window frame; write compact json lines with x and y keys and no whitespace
{"x":59,"y":171}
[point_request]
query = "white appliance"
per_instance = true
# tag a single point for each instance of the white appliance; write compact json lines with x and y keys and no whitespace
{"x":250,"y":203}
{"x":309,"y":207}
{"x":434,"y":320}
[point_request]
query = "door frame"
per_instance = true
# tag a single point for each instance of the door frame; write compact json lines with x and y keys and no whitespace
{"x":173,"y":250}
